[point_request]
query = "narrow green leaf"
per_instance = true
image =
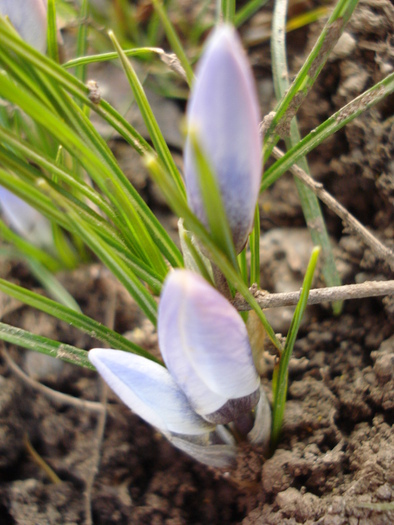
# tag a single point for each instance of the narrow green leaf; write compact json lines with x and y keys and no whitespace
{"x":339,"y":119}
{"x":280,"y":390}
{"x":52,"y":285}
{"x":84,"y":323}
{"x":243,"y":267}
{"x":254,"y":242}
{"x":228,"y":11}
{"x":38,"y":343}
{"x":248,"y":10}
{"x":307,"y":75}
{"x":309,"y":202}
{"x":82,"y":40}
{"x":53,"y":51}
{"x":213,"y":202}
{"x":28,"y":250}
{"x":104,"y":57}
{"x":174,"y":40}
{"x":148,"y":116}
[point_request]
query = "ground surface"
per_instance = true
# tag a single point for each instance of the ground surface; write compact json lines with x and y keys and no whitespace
{"x":336,"y":456}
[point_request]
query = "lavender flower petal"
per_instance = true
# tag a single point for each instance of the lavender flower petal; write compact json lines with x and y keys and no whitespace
{"x":29,"y":17}
{"x":205,"y":346}
{"x":26,"y":220}
{"x":148,"y":390}
{"x":223,"y":110}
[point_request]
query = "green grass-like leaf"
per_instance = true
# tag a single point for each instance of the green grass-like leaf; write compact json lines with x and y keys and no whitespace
{"x":334,"y":123}
{"x":307,"y":75}
{"x":280,"y":379}
{"x":38,"y":343}
{"x":155,"y":133}
{"x":309,"y":202}
{"x":84,"y":323}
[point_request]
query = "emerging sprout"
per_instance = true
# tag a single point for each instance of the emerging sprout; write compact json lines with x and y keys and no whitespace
{"x":223,"y":112}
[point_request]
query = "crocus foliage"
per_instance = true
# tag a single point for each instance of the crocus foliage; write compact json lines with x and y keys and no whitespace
{"x":223,"y":112}
{"x":29,"y":17}
{"x":210,"y":378}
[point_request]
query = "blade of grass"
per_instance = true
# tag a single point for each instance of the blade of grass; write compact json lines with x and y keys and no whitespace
{"x":38,"y":343}
{"x":84,"y":323}
{"x":228,"y":10}
{"x":53,"y":50}
{"x":82,"y":39}
{"x":281,"y":379}
{"x":309,"y":202}
{"x":113,"y":55}
{"x":254,"y":242}
{"x":194,"y":259}
{"x":248,"y":10}
{"x":52,"y":285}
{"x":174,"y":40}
{"x":289,"y":104}
{"x":339,"y":119}
{"x":148,"y":116}
{"x":243,"y":267}
{"x":213,"y":203}
{"x":28,"y":250}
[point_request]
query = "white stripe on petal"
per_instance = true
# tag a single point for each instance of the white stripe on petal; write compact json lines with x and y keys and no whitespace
{"x":148,"y":390}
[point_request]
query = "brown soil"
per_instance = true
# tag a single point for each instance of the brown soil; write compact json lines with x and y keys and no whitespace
{"x":335,"y":462}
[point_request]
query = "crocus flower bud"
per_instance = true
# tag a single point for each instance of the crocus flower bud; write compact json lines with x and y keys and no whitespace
{"x":223,"y":112}
{"x":26,"y":220}
{"x":29,"y":17}
{"x":205,"y":346}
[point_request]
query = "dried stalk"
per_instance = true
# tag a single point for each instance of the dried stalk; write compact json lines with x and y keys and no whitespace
{"x":53,"y":395}
{"x":318,"y":295}
{"x":379,"y":249}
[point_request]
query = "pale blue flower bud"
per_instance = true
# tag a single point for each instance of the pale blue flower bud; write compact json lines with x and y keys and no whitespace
{"x":223,"y":111}
{"x":29,"y":17}
{"x":26,"y":220}
{"x":205,"y":346}
{"x":148,"y":389}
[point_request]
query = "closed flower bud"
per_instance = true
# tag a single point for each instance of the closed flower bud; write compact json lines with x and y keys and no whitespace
{"x":205,"y":346}
{"x":223,"y":112}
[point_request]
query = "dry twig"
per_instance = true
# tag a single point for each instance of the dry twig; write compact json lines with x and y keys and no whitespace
{"x":378,"y":248}
{"x":53,"y":395}
{"x":318,"y":295}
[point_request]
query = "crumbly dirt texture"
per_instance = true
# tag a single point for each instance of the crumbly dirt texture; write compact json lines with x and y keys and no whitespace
{"x":335,"y":462}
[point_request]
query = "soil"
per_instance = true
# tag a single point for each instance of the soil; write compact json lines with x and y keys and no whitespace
{"x":335,"y":462}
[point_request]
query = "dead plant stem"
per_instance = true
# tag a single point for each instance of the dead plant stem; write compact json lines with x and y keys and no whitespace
{"x":377,"y":247}
{"x":318,"y":295}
